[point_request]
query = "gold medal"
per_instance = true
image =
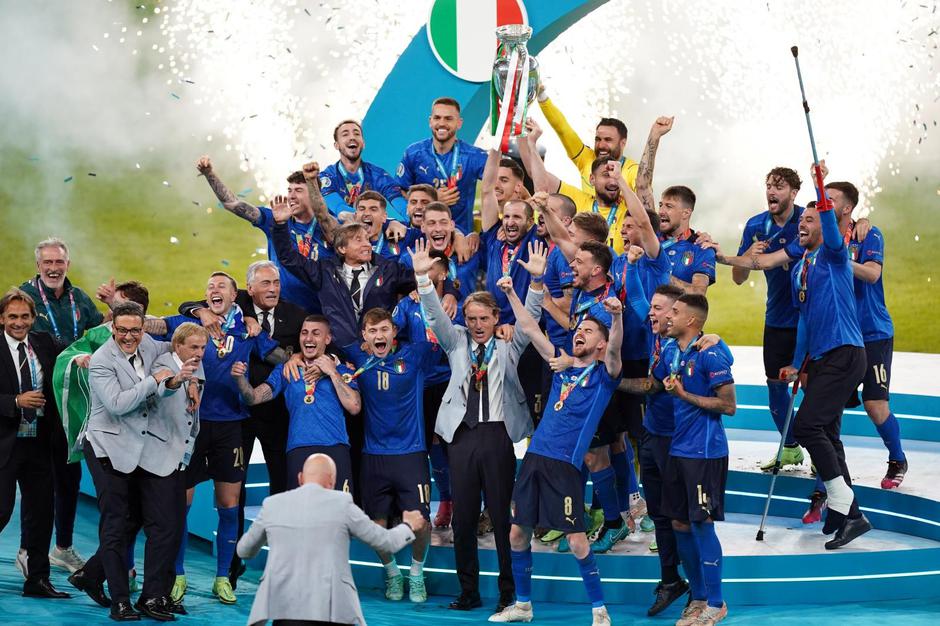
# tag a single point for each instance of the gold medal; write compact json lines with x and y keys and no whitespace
{"x":347,"y":378}
{"x":559,"y":405}
{"x":222,"y":352}
{"x":573,"y":324}
{"x":479,"y":385}
{"x":308,"y":399}
{"x":456,"y":283}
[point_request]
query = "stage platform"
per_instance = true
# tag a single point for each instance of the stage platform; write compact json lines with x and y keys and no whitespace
{"x":900,"y":559}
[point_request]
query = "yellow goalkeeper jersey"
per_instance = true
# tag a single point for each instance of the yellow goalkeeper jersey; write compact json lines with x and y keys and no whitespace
{"x":586,"y":203}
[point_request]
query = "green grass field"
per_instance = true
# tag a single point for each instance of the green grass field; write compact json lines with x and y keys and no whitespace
{"x":119,"y":223}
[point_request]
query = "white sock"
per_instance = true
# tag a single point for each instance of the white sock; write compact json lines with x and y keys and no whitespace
{"x":840,"y":495}
{"x":391,"y":569}
{"x":524,"y":605}
{"x":417,"y":567}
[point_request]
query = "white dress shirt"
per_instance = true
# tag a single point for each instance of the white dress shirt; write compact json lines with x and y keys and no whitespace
{"x":494,"y":386}
{"x":138,"y":364}
{"x":260,"y":313}
{"x":346,"y":271}
{"x":36,"y":371}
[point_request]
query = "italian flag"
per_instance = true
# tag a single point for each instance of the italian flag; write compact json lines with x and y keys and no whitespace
{"x":462,"y":34}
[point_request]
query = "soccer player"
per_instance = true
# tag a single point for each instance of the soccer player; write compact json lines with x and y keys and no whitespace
{"x":610,"y":141}
{"x":445,"y":162}
{"x":218,"y":454}
{"x":693,"y":267}
{"x":440,"y":232}
{"x":394,"y":461}
{"x":344,"y":181}
{"x":307,"y":234}
{"x":419,"y":197}
{"x":696,"y":472}
{"x":65,"y":312}
{"x":549,"y":492}
{"x":315,"y":407}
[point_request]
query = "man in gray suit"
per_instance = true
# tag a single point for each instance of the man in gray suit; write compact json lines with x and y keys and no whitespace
{"x":483,"y":413}
{"x":309,"y":581}
{"x":127,"y":435}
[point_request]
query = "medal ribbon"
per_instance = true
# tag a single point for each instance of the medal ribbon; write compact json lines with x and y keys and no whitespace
{"x":453,"y":177}
{"x":379,"y":244}
{"x":428,"y":332}
{"x":668,"y":242}
{"x":806,"y":261}
{"x":581,"y":307}
{"x":372,"y":362}
{"x":52,"y":322}
{"x":451,"y":263}
{"x":509,"y":259}
{"x":682,"y":355}
{"x":231,"y":319}
{"x":353,"y":189}
{"x":304,"y":239}
{"x":567,"y":388}
{"x":310,"y":389}
{"x":479,"y":371}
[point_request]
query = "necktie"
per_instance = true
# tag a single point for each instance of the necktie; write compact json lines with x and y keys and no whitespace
{"x":265,"y":322}
{"x":26,"y":379}
{"x":133,"y":362}
{"x":475,"y":396}
{"x":355,"y":288}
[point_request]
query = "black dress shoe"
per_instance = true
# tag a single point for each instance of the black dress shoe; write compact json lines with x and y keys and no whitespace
{"x":850,"y":529}
{"x":169,"y":606}
{"x":834,"y":521}
{"x":505,"y":599}
{"x":154,"y":608}
{"x":94,"y":590}
{"x":466,"y":602}
{"x":666,"y":594}
{"x":122,"y":611}
{"x":238,"y":568}
{"x":42,"y":588}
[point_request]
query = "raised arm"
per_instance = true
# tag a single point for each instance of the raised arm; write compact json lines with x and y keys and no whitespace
{"x":636,"y":296}
{"x":644,"y":176}
{"x":534,"y":165}
{"x":229,"y":200}
{"x":556,"y":119}
{"x":612,"y":358}
{"x":489,"y":205}
{"x":328,"y":223}
{"x":525,"y":323}
{"x":437,"y":319}
{"x":648,"y":237}
{"x":306,"y":270}
{"x":556,"y":229}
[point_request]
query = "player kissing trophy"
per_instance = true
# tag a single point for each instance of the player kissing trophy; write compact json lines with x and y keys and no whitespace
{"x":514,"y":85}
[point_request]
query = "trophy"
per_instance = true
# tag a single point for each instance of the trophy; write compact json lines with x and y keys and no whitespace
{"x":514,"y":85}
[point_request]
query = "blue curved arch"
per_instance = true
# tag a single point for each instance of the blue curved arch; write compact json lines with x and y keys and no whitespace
{"x":398,"y":114}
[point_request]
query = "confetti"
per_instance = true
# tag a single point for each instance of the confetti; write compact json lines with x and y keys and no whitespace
{"x":33,"y":158}
{"x":138,"y":165}
{"x":225,"y":262}
{"x":166,"y":183}
{"x":92,"y":174}
{"x":174,"y":95}
{"x":70,"y":178}
{"x":174,"y":240}
{"x":196,"y":202}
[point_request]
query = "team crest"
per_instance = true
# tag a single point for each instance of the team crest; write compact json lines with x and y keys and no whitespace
{"x":687,"y":258}
{"x":378,"y":281}
{"x":399,"y":366}
{"x":325,"y":182}
{"x":401,"y":170}
{"x":853,"y":252}
{"x":690,"y":368}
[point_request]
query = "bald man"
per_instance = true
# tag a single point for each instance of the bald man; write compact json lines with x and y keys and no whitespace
{"x":288,"y":522}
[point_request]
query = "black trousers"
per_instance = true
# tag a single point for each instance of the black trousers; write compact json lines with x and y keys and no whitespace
{"x":654,"y":452}
{"x":30,"y":465}
{"x":481,"y":458}
{"x":830,"y":381}
{"x":66,"y":480}
{"x":160,"y":500}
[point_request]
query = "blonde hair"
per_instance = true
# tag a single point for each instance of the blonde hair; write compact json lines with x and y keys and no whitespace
{"x":186,"y":330}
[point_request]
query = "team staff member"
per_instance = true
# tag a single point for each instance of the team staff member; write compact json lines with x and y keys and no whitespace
{"x":27,"y":423}
{"x":315,"y":407}
{"x":394,"y":460}
{"x":549,"y":492}
{"x":610,"y":142}
{"x":344,"y":181}
{"x":482,"y":415}
{"x":449,"y":164}
{"x":65,"y":312}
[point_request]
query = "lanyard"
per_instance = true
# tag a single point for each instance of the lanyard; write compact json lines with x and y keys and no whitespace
{"x":372,"y":362}
{"x":52,"y":322}
{"x":454,"y":176}
{"x":656,"y":354}
{"x":428,"y":332}
{"x":225,"y":345}
{"x":380,"y":243}
{"x":451,"y":264}
{"x":310,"y":390}
{"x":669,"y":242}
{"x":611,"y":216}
{"x":567,"y":388}
{"x":509,"y":259}
{"x":682,"y":356}
{"x":33,"y":372}
{"x":809,"y":258}
{"x":479,"y":370}
{"x":581,"y":307}
{"x":352,"y":188}
{"x":304,"y":240}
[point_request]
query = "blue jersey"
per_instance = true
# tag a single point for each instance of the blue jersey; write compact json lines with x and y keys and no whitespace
{"x":464,"y":276}
{"x":873,"y":317}
{"x":823,"y":289}
{"x":558,"y":277}
{"x":221,"y":400}
{"x":651,"y":274}
{"x":341,"y":188}
{"x":698,"y":434}
{"x":392,"y":250}
{"x":317,"y":423}
{"x":501,"y":257}
{"x":409,"y":319}
{"x":393,"y":397}
{"x":565,"y":434}
{"x":780,"y":310}
{"x":308,"y":239}
{"x":586,"y":304}
{"x":688,"y":258}
{"x":463,"y":164}
{"x":659,"y":417}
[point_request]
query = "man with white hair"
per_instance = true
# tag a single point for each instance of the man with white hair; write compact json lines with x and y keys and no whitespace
{"x":286,"y":523}
{"x":65,"y":312}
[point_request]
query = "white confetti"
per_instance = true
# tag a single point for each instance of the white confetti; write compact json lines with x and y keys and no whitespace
{"x":174,"y":240}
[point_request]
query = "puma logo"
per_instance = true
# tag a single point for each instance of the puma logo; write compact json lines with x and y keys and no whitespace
{"x":570,"y":520}
{"x":423,"y":169}
{"x":715,"y":564}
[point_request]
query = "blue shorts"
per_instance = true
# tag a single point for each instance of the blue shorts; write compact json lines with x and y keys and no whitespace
{"x":694,"y":489}
{"x":395,"y":482}
{"x":548,"y":494}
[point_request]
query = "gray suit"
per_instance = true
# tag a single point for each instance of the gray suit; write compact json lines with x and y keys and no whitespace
{"x":172,"y":427}
{"x":307,"y":576}
{"x":456,"y":342}
{"x":123,"y":416}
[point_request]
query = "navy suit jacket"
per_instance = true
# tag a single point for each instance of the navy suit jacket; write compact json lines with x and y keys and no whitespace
{"x":45,"y":349}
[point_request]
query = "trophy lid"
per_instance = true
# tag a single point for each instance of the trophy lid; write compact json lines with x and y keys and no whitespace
{"x":513,"y":33}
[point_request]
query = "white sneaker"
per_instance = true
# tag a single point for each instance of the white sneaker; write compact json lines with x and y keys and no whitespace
{"x":67,"y":559}
{"x":517,"y":612}
{"x":601,"y":618}
{"x":691,"y":612}
{"x":20,"y":562}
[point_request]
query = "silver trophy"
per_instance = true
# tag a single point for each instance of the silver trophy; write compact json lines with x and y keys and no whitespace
{"x":515,"y":83}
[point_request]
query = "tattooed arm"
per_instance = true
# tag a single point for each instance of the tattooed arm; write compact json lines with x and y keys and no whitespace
{"x":228,"y":199}
{"x":328,"y":223}
{"x":644,"y":177}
